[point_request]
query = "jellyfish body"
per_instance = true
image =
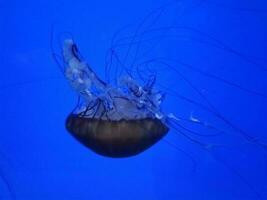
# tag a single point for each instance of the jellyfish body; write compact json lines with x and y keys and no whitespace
{"x":116,"y":138}
{"x":113,"y":121}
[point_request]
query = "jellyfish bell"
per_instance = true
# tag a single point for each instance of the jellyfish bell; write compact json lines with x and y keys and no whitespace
{"x":121,"y":138}
{"x":114,"y":121}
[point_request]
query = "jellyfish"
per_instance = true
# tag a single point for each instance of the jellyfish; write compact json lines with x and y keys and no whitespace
{"x":124,"y":114}
{"x":124,"y":117}
{"x":113,"y":121}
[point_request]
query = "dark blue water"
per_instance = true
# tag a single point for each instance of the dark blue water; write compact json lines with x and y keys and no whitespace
{"x":215,"y":67}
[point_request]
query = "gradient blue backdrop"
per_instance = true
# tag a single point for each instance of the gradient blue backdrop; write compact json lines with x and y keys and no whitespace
{"x":40,"y":160}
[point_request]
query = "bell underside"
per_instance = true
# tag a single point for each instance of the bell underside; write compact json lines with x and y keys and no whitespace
{"x":121,"y":138}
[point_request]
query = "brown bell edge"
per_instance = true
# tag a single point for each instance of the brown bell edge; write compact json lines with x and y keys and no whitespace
{"x":116,"y":139}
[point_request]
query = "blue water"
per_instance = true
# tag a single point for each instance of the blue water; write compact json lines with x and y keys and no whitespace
{"x":216,"y":73}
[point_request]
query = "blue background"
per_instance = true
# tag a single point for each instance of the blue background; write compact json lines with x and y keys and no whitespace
{"x":40,"y":160}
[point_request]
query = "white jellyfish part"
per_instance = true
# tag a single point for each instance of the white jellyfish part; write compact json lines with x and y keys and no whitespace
{"x":146,"y":99}
{"x":131,"y":85}
{"x":67,"y":50}
{"x":75,"y":70}
{"x":145,"y":94}
{"x":129,"y":100}
{"x":80,"y":75}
